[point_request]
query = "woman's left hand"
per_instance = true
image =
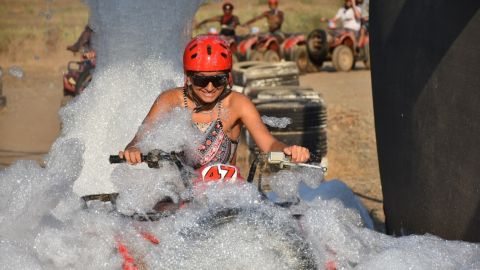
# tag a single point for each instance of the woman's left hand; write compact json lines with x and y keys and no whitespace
{"x":299,"y":154}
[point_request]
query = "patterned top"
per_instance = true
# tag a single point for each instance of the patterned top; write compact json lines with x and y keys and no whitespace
{"x":216,"y":147}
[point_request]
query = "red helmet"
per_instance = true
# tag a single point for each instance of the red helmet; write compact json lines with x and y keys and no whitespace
{"x":207,"y":53}
{"x":273,"y":2}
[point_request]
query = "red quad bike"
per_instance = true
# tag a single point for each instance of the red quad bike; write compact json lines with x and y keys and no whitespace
{"x":340,"y":46}
{"x":294,"y":48}
{"x":275,"y":161}
{"x":79,"y":74}
{"x":259,"y":47}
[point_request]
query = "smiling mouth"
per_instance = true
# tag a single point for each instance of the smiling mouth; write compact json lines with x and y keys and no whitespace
{"x":209,"y":94}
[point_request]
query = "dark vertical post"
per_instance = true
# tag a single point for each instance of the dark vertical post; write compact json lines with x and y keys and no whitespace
{"x":3,"y":99}
{"x":426,"y":91}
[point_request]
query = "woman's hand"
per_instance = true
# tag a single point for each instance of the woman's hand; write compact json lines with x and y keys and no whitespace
{"x":299,"y":154}
{"x":132,"y":155}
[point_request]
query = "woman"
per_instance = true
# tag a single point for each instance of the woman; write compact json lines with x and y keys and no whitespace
{"x":217,"y":111}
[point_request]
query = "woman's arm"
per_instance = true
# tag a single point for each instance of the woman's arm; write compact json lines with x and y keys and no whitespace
{"x":164,"y":103}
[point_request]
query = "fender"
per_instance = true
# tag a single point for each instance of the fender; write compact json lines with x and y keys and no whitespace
{"x":346,"y":38}
{"x":270,"y":43}
{"x":247,"y":44}
{"x":289,"y":43}
{"x":293,"y":41}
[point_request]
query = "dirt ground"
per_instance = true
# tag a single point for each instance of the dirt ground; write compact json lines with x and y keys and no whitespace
{"x":352,"y":151}
{"x":29,"y":124}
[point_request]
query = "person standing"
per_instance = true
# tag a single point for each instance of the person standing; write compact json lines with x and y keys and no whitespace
{"x":274,"y":18}
{"x":228,"y":21}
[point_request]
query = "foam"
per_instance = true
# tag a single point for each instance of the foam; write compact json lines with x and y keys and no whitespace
{"x":278,"y":122}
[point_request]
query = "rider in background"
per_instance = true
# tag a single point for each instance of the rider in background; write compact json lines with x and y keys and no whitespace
{"x":83,"y":41}
{"x":365,"y":4}
{"x":350,"y":15}
{"x":217,"y":112}
{"x":228,"y":21}
{"x":274,"y":18}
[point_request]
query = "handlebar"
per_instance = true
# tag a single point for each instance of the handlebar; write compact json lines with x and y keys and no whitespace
{"x":153,"y":158}
{"x":282,"y":160}
{"x":114,"y":159}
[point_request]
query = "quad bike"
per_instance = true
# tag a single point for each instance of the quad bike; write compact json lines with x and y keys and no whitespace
{"x":259,"y":47}
{"x":294,"y":49}
{"x":79,"y":74}
{"x":217,"y":217}
{"x":341,"y":46}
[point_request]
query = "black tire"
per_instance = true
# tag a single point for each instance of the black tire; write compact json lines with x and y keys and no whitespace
{"x":317,"y":46}
{"x":299,"y":55}
{"x":83,"y":80}
{"x":271,"y":56}
{"x":68,"y":93}
{"x":304,"y":114}
{"x":304,"y":107}
{"x":289,"y":235}
{"x":342,"y":58}
{"x":256,"y":56}
{"x":312,"y":67}
{"x":256,"y":74}
{"x":314,"y":140}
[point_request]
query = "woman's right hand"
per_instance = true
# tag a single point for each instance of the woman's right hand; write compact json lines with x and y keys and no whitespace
{"x":132,"y":155}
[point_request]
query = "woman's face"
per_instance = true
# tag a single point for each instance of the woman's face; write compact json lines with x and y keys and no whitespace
{"x":208,"y":85}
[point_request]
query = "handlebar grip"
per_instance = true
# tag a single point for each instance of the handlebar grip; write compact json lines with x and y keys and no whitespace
{"x":113,"y":159}
{"x":116,"y":159}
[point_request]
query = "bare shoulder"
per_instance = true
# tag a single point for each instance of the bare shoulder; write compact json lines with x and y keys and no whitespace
{"x":238,"y":100}
{"x":240,"y":103}
{"x":172,"y":97}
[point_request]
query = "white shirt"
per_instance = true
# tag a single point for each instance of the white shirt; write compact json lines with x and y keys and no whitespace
{"x":348,"y":18}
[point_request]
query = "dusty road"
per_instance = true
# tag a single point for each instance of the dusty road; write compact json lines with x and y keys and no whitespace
{"x":30,"y":124}
{"x":352,"y":152}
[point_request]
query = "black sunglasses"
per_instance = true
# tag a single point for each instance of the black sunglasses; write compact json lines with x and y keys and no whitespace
{"x":216,"y":80}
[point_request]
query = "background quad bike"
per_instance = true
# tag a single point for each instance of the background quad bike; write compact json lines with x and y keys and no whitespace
{"x":259,"y":47}
{"x":310,"y":51}
{"x":340,"y":46}
{"x":78,"y":75}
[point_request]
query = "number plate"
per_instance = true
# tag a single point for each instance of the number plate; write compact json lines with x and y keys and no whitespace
{"x":219,"y":172}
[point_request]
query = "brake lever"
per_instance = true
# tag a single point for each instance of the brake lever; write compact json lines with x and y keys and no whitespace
{"x":280,"y":159}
